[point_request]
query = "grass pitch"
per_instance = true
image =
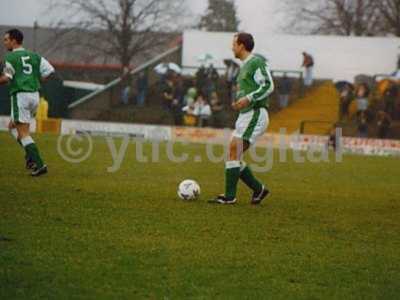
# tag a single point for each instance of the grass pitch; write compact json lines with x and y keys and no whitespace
{"x":329,"y":230}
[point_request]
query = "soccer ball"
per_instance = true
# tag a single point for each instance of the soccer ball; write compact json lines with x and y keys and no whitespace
{"x":188,"y":190}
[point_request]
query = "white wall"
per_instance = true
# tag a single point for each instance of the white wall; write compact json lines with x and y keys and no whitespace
{"x":336,"y":57}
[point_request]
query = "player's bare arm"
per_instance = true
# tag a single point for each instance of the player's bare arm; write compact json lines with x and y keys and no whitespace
{"x":4,"y":79}
{"x":47,"y":78}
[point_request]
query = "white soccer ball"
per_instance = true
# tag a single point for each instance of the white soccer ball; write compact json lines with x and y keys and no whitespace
{"x":188,"y":190}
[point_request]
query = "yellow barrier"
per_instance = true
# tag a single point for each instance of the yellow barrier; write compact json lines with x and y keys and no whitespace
{"x":48,"y":126}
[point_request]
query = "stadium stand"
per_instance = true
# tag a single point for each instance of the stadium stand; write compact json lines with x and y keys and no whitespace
{"x":312,"y":111}
{"x":319,"y":108}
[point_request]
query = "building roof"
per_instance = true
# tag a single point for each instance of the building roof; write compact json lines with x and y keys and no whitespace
{"x":64,"y":49}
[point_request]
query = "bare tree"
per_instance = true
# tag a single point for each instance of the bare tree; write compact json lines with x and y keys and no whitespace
{"x":339,"y":17}
{"x":116,"y":28}
{"x":390,"y":12}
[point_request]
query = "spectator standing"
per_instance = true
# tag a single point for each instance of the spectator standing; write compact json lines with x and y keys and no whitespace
{"x":217,"y":109}
{"x":141,"y":85}
{"x":190,"y":96}
{"x":202,"y":110}
{"x":176,"y":105}
{"x":396,"y":114}
{"x":308,"y":65}
{"x":362,"y":95}
{"x":176,"y":112}
{"x":232,"y":71}
{"x":284,"y":90}
{"x":125,"y":94}
{"x":201,"y":75}
{"x":211,"y":82}
{"x":383,"y":122}
{"x":362,"y":127}
{"x":389,"y":98}
{"x":167,"y":93}
{"x":346,"y":96}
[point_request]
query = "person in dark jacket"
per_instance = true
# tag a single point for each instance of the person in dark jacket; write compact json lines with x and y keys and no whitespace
{"x":284,"y":90}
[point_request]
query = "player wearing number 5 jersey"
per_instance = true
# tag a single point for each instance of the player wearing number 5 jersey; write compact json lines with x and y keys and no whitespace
{"x":23,"y":71}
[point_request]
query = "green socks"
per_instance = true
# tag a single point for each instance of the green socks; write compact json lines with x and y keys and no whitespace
{"x":32,"y":151}
{"x":248,"y":178}
{"x":235,"y":170}
{"x":232,"y":173}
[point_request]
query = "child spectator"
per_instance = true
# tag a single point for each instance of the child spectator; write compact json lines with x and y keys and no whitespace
{"x":189,"y":119}
{"x":202,"y":110}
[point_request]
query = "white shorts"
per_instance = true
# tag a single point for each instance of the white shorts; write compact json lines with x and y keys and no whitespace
{"x":24,"y":106}
{"x":252,"y":124}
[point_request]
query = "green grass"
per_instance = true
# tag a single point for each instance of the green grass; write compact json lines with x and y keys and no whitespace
{"x":329,"y":230}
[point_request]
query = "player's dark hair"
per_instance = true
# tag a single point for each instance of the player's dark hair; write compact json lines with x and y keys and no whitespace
{"x":246,"y":39}
{"x":16,"y":35}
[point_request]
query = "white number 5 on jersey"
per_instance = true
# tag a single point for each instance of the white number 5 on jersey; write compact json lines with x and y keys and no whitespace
{"x":26,"y":67}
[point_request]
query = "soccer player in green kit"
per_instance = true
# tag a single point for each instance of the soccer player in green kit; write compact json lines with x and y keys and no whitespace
{"x":255,"y":84}
{"x":23,"y":71}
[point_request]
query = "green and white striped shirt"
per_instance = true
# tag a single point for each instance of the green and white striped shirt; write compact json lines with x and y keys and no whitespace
{"x":255,"y":82}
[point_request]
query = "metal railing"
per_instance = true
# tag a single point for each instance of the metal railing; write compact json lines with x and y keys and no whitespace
{"x":376,"y":77}
{"x":294,"y":72}
{"x":119,"y":79}
{"x":305,"y":122}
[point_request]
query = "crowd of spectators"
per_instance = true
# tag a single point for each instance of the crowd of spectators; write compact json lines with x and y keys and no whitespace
{"x":194,"y":102}
{"x":205,"y":98}
{"x":372,"y":106}
{"x":136,"y":92}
